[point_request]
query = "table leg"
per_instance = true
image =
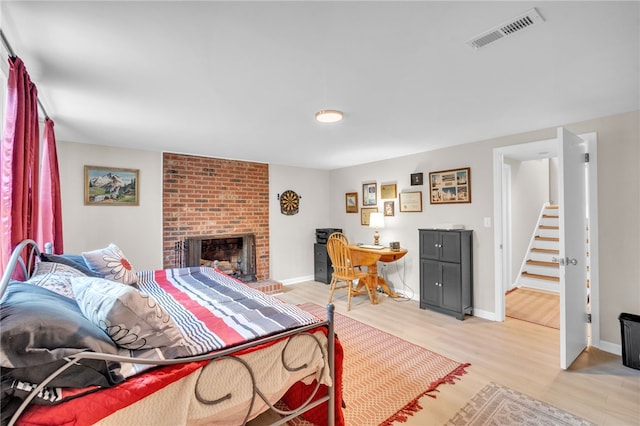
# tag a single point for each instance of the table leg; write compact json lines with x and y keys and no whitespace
{"x":369,"y":286}
{"x":382,"y":283}
{"x":374,"y":281}
{"x":377,"y":280}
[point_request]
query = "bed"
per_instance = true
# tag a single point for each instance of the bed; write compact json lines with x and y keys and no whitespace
{"x":86,"y":344}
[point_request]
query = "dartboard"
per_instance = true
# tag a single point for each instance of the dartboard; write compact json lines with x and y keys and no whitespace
{"x":289,"y":203}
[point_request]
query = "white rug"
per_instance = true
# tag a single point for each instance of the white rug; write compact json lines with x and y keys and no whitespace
{"x":497,"y":405}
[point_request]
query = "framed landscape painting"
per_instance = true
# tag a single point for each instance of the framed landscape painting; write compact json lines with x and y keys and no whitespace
{"x":111,"y":186}
{"x":450,"y":186}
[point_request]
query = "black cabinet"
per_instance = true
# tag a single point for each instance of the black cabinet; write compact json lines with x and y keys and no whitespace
{"x":446,"y":271}
{"x":323,"y":268}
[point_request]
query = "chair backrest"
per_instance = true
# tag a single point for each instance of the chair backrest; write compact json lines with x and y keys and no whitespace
{"x":340,"y":236}
{"x":340,"y":255}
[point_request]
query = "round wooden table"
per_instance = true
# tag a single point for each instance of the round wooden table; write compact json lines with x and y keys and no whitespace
{"x":364,"y":256}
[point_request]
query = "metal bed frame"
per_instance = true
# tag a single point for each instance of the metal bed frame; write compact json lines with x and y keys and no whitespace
{"x":25,"y":255}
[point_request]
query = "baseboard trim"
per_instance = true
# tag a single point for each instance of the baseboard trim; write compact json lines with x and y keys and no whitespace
{"x":484,"y":314}
{"x":297,"y":280}
{"x":613,"y":348}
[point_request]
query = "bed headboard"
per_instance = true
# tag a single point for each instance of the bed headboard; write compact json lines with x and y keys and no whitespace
{"x":24,"y":255}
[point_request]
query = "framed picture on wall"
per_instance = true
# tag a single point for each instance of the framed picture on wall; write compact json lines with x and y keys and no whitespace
{"x":416,"y":179}
{"x":351,"y":202}
{"x":388,"y":191}
{"x":389,"y":208}
{"x":111,"y":186}
{"x":450,"y":186}
{"x":369,"y":194}
{"x":365,"y":214}
{"x":411,"y":201}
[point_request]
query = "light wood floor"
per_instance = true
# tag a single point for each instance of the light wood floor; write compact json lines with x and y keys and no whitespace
{"x":517,"y":354}
{"x":533,"y":305}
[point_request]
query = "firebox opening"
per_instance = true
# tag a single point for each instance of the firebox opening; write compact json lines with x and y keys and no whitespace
{"x":233,"y":255}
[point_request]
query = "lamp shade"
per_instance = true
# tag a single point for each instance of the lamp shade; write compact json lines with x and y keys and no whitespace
{"x":376,"y":220}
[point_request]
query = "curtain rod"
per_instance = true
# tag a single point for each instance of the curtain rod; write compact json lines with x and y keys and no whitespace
{"x":13,"y":55}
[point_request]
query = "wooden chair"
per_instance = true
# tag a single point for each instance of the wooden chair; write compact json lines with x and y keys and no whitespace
{"x":343,"y":268}
{"x":344,"y":238}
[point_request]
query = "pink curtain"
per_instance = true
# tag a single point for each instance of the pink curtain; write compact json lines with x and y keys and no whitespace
{"x":18,"y":162}
{"x":50,"y":218}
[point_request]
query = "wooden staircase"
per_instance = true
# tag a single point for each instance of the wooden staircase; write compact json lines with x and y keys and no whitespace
{"x":538,"y":269}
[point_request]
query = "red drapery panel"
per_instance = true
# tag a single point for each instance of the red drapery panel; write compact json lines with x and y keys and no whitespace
{"x":19,"y":162}
{"x":50,"y":217}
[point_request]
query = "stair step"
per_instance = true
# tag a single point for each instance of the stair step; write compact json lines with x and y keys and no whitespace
{"x":544,"y":250}
{"x":540,"y":277}
{"x":555,"y":206}
{"x":541,"y":256}
{"x":539,"y":238}
{"x":543,"y":263}
{"x":548,"y":232}
{"x":550,"y":216}
{"x":549,"y":227}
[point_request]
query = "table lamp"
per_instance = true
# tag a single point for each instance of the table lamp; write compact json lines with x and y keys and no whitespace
{"x":376,"y":220}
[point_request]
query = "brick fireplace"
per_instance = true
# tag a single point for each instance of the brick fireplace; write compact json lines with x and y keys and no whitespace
{"x":214,"y":198}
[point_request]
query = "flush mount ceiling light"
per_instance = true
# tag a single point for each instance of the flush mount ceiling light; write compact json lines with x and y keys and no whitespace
{"x":329,"y":116}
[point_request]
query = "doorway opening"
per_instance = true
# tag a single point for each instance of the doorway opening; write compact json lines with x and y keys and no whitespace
{"x":531,"y":219}
{"x":504,"y":216}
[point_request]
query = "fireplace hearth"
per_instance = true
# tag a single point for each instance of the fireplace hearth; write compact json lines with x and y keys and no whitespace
{"x":234,"y":255}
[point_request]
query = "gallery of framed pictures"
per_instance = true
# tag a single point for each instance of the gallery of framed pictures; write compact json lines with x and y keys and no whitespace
{"x":111,"y":186}
{"x":450,"y":186}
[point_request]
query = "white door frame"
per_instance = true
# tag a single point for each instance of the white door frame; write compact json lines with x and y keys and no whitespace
{"x":502,"y":282}
{"x":507,"y":247}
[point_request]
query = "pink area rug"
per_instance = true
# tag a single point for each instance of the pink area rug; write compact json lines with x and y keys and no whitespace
{"x":385,"y":376}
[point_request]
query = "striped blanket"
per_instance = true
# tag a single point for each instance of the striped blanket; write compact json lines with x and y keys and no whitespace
{"x":213,"y":311}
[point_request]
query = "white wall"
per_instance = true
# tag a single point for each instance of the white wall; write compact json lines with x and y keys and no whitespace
{"x":291,"y":238}
{"x":137,"y":230}
{"x":553,"y":180}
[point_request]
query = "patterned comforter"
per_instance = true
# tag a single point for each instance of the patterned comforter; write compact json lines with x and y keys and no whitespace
{"x":213,"y":312}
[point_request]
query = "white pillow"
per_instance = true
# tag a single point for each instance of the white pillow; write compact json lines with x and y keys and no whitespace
{"x":112,"y":264}
{"x":55,"y":277}
{"x":132,"y":319}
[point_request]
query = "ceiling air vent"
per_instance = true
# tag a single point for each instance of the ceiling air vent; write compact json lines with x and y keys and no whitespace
{"x":527,"y":19}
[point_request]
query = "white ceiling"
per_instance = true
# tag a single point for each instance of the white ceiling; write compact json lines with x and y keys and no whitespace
{"x":243,"y":80}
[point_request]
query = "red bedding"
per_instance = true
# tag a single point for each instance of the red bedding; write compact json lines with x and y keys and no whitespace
{"x":93,"y":407}
{"x":299,"y":392}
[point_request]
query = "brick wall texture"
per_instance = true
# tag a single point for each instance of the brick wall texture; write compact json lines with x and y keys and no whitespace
{"x":214,"y":197}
